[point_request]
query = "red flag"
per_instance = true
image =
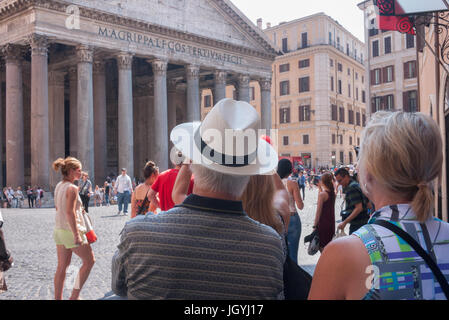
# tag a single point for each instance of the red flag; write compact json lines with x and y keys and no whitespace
{"x":387,"y":19}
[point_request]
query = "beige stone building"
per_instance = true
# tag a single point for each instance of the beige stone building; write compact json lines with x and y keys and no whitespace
{"x":106,"y":81}
{"x":434,"y":94}
{"x":391,"y":66}
{"x":318,"y":91}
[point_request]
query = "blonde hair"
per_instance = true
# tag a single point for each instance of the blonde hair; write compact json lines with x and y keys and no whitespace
{"x":404,"y":153}
{"x":258,"y":201}
{"x":66,"y":164}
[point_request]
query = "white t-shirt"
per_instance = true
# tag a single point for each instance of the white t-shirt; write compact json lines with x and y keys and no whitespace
{"x":123,"y":183}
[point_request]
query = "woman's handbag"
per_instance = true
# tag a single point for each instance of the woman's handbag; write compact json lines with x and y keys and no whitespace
{"x":143,"y":205}
{"x":314,"y":240}
{"x":90,"y":233}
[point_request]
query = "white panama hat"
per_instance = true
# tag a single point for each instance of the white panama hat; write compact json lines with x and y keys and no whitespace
{"x":227,"y":140}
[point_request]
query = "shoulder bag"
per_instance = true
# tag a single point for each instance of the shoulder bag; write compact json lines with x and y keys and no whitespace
{"x":90,"y":233}
{"x":419,"y":250}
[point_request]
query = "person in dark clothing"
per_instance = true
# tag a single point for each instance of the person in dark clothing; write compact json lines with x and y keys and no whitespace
{"x":355,"y":213}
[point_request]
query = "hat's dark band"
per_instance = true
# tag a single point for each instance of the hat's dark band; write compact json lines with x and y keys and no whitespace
{"x":222,"y":159}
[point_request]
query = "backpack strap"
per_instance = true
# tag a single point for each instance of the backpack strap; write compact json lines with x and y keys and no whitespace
{"x":419,"y":250}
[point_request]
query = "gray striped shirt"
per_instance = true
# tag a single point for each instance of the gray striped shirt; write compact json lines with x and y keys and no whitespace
{"x":204,"y":249}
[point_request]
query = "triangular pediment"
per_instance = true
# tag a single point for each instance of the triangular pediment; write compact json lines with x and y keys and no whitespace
{"x":215,"y":19}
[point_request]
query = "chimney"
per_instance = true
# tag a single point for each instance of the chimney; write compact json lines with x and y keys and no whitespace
{"x":268,"y":24}
{"x":259,"y":23}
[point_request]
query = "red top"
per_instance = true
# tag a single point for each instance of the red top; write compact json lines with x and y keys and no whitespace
{"x":164,"y":186}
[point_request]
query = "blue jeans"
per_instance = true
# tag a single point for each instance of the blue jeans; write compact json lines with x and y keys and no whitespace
{"x":293,"y":236}
{"x":123,"y":199}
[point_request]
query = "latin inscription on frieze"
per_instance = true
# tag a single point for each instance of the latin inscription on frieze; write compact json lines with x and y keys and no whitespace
{"x":168,"y":45}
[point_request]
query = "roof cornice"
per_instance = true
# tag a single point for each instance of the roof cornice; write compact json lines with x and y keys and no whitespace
{"x":12,"y":7}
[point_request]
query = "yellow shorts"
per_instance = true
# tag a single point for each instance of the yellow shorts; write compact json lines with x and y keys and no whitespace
{"x":65,"y":238}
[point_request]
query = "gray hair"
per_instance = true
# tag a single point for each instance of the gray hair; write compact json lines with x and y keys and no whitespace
{"x":219,"y":182}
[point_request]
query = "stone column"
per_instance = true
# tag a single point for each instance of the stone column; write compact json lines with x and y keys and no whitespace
{"x":85,"y":110}
{"x":14,"y":117}
{"x":193,"y":93}
{"x":100,"y":129}
{"x":161,"y":138}
{"x":171,"y":109}
{"x":243,"y":84}
{"x":125,"y":114}
{"x":265,"y":108}
{"x":40,"y":144}
{"x":220,"y":85}
{"x":73,"y":135}
{"x":56,"y":122}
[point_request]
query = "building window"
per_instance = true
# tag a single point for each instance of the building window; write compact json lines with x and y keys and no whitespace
{"x":207,"y":101}
{"x":284,"y":88}
{"x":339,"y":87}
{"x":304,"y":63}
{"x":284,"y":115}
{"x":410,"y":70}
{"x":351,"y":116}
{"x":332,"y":83}
{"x":340,"y":138}
{"x":388,"y":74}
{"x":305,"y":139}
{"x":347,"y":49}
{"x":350,"y":141}
{"x":410,"y":101}
{"x":284,"y":67}
{"x":285,"y":142}
{"x":357,"y":118}
{"x":387,"y":43}
{"x":376,"y":104}
{"x":349,"y":90}
{"x":375,"y":48}
{"x":304,"y":84}
{"x":285,"y":45}
{"x":376,"y":77}
{"x":342,"y":157}
{"x":304,"y":40}
{"x":331,"y":62}
{"x":410,"y":41}
{"x":342,"y":114}
{"x":363,"y":79}
{"x":330,"y":37}
{"x":349,"y":71}
{"x":363,"y":96}
{"x":357,"y":94}
{"x":356,"y":76}
{"x":333,"y":138}
{"x":334,"y":112}
{"x":363,"y":120}
{"x":389,"y":102}
{"x":304,"y":113}
{"x":340,"y":67}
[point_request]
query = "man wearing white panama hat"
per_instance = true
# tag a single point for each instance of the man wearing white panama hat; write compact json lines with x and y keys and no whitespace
{"x":207,"y":247}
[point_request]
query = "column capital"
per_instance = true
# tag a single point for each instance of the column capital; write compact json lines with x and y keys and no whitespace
{"x":172,"y":84}
{"x":265,"y":84}
{"x":159,"y":67}
{"x":192,"y":71}
{"x":220,"y":76}
{"x":56,"y":78}
{"x":12,"y":53}
{"x":244,"y":80}
{"x":85,"y":53}
{"x":98,"y":67}
{"x":38,"y":44}
{"x":125,"y":60}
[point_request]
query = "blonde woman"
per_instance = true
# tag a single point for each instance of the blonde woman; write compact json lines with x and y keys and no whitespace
{"x":69,"y":233}
{"x":400,"y":157}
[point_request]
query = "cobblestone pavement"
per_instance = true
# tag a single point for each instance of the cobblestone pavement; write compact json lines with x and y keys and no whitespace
{"x":29,"y":236}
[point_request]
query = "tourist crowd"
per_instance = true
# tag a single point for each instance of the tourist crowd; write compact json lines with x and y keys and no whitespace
{"x":226,"y":223}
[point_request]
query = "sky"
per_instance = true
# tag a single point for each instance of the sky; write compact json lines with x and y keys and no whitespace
{"x":345,"y":12}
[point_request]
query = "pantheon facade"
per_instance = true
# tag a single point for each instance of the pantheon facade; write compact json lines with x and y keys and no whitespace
{"x":105,"y":81}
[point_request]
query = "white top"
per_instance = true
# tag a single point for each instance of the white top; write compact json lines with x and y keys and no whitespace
{"x":123,"y":183}
{"x":61,"y":205}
